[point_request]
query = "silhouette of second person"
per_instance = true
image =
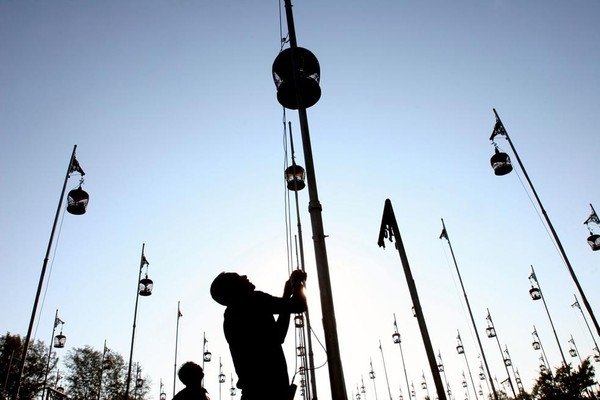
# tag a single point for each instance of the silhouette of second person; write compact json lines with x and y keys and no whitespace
{"x":253,"y":334}
{"x":191,"y":375}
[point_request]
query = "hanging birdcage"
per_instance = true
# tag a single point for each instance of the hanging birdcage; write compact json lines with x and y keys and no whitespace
{"x":77,"y":201}
{"x":294,"y":177}
{"x":594,"y":241}
{"x":536,"y":345}
{"x":396,"y":337}
{"x":371,"y":374}
{"x":221,"y":378}
{"x":460,"y":349}
{"x":481,"y":376}
{"x":207,"y":356}
{"x":300,"y":351}
{"x":163,"y":396}
{"x":507,"y":362}
{"x":573,"y":352}
{"x":145,"y":286}
{"x":501,"y":163}
{"x":535,"y":293}
{"x":299,"y":321}
{"x":139,"y":382}
{"x":59,"y":341}
{"x":304,"y":67}
{"x":490,"y":331}
{"x":441,"y":367}
{"x":464,"y":383}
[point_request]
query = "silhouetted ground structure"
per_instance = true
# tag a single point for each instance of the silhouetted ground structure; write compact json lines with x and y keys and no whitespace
{"x":191,"y":375}
{"x":253,"y":334}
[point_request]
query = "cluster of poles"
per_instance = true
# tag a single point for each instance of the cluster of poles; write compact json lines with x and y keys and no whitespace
{"x":296,"y":73}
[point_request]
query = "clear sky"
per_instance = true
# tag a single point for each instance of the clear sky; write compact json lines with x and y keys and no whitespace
{"x":174,"y":111}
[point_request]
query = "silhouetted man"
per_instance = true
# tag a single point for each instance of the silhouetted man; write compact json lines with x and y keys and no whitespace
{"x":253,"y":334}
{"x":191,"y":375}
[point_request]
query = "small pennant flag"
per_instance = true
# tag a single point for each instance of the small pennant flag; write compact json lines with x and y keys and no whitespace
{"x":179,"y":314}
{"x":593,"y":218}
{"x":444,"y":234}
{"x":58,"y":321}
{"x":498,"y":129}
{"x":144,"y":260}
{"x":576,"y":304}
{"x":75,"y":167}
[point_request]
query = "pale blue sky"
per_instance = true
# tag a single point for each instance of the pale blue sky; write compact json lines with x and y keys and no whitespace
{"x":173,"y":109}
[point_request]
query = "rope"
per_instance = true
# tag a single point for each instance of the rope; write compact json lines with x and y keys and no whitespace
{"x":49,"y":276}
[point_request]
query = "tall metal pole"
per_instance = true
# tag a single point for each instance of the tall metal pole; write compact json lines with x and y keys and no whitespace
{"x":372,"y":376}
{"x":137,"y":296}
{"x":43,"y":274}
{"x":311,"y":359}
{"x":512,"y":366}
{"x":385,"y":370}
{"x":539,"y":287}
{"x":576,"y":304}
{"x":54,"y":325}
{"x":467,"y":362}
{"x":402,"y":354}
{"x":179,"y":315}
{"x":443,"y":371}
{"x":389,"y":229}
{"x":512,"y":388}
{"x":101,"y":370}
{"x":546,"y":361}
{"x":502,"y":131}
{"x":336,"y":373}
{"x":444,"y":234}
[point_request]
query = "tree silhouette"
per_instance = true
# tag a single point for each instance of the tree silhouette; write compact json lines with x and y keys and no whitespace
{"x":11,"y":349}
{"x":566,"y":383}
{"x":84,"y":366}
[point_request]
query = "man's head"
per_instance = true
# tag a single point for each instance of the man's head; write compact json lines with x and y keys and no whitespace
{"x":190,"y":374}
{"x":229,"y":287}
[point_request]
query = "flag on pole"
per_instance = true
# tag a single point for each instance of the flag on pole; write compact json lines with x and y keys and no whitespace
{"x":75,"y":167}
{"x":144,"y":261}
{"x":532,"y":276}
{"x":58,"y":321}
{"x":593,"y":218}
{"x":179,"y":314}
{"x":444,"y":234}
{"x":498,"y":129}
{"x":576,"y":304}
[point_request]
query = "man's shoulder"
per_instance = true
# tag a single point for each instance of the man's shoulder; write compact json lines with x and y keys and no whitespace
{"x":189,"y":394}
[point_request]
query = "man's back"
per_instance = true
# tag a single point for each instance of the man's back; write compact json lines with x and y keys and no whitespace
{"x":255,"y":342}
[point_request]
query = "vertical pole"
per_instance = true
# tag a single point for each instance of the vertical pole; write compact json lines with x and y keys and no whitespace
{"x":512,"y":388}
{"x":311,"y":360}
{"x":45,"y":392}
{"x":137,"y":296}
{"x":385,"y":371}
{"x":101,"y":370}
{"x":546,"y":361}
{"x":576,"y":304}
{"x":402,"y":355}
{"x":468,"y":367}
{"x":389,"y":226}
{"x":176,"y":341}
{"x":562,"y":354}
{"x":487,"y":368}
{"x":336,"y":373}
{"x":512,"y":366}
{"x":551,"y":227}
{"x":42,"y":276}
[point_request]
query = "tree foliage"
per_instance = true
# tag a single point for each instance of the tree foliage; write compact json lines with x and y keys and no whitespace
{"x":87,"y":374}
{"x":566,"y":383}
{"x":32,"y":383}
